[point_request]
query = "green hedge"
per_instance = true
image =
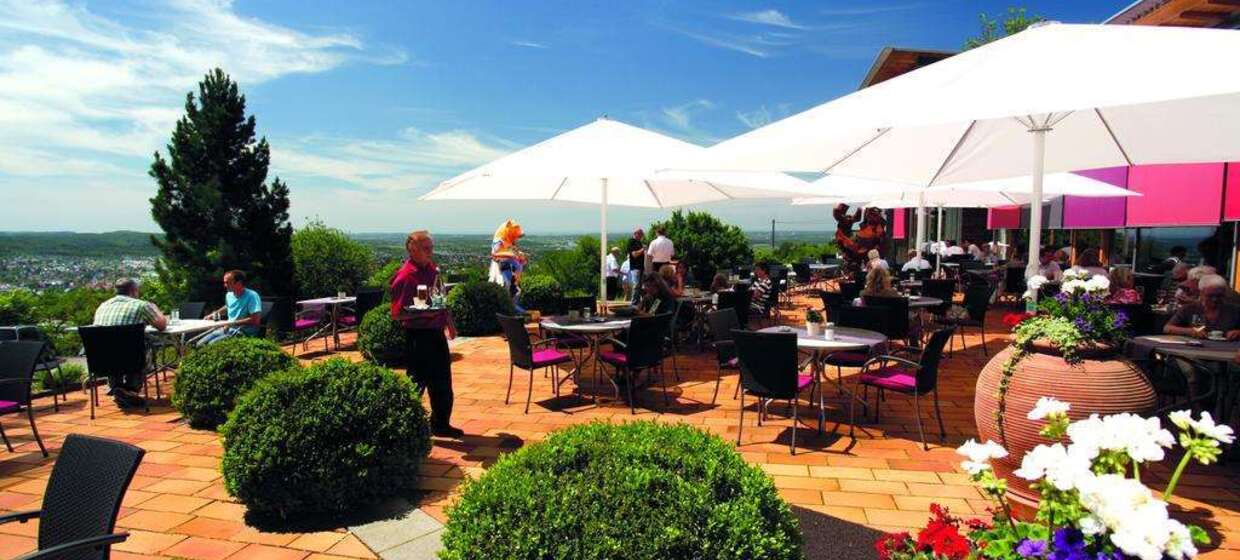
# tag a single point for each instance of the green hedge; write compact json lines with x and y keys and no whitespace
{"x":474,"y":305}
{"x":324,"y":439}
{"x":382,"y":278}
{"x":210,"y":379}
{"x":62,"y":379}
{"x":543,"y":293}
{"x":638,"y":490}
{"x":381,"y":339}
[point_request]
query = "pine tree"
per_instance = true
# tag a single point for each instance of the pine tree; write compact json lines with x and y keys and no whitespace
{"x":214,"y":204}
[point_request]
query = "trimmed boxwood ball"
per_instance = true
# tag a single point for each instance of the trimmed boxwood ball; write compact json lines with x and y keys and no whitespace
{"x":474,"y":305}
{"x":542,"y":292}
{"x":381,"y":339}
{"x":210,"y":379}
{"x":324,"y":439}
{"x":637,"y":490}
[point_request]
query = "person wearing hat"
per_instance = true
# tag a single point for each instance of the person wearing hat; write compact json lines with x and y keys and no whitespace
{"x":613,"y":272}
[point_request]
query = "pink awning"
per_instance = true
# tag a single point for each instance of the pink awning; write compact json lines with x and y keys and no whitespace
{"x":1175,"y":195}
{"x":1231,"y":192}
{"x":1081,"y":212}
{"x":1004,"y":217}
{"x":899,"y":224}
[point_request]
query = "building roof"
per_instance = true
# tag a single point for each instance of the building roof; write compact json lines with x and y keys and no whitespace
{"x":1183,"y":13}
{"x":892,"y":62}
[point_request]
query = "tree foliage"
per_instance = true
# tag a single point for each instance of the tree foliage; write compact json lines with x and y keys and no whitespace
{"x":214,"y":203}
{"x":576,"y":269}
{"x":326,"y":261}
{"x":706,"y":244}
{"x":1017,"y":20}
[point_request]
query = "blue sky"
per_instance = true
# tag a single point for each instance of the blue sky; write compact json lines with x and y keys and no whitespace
{"x":368,"y":105}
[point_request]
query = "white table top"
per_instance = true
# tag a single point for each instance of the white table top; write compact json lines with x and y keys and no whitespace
{"x":822,"y":266}
{"x":913,"y":301}
{"x":846,"y":338}
{"x":330,"y":300}
{"x":606,"y":326}
{"x":188,"y":326}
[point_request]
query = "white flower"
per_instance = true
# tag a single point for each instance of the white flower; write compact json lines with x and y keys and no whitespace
{"x":1099,"y":283}
{"x":1090,"y":525}
{"x":1138,"y":522}
{"x":1048,"y":406}
{"x":980,"y":455}
{"x":1061,"y":468}
{"x":1073,"y":286}
{"x":1220,"y":432}
{"x":1074,"y":274}
{"x":1035,"y":282}
{"x":1181,"y":418}
{"x":1142,"y":439}
{"x":1180,"y":542}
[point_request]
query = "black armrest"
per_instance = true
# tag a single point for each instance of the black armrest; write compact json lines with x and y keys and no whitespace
{"x":615,"y":341}
{"x":22,"y":516}
{"x":884,"y":359}
{"x":59,"y":551}
{"x":543,"y":342}
{"x":16,"y":380}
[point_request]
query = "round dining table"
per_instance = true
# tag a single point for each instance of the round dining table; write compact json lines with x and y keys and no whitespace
{"x":593,"y":330}
{"x":845,"y":339}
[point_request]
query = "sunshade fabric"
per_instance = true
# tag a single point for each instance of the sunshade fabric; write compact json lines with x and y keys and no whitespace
{"x":1231,"y":200}
{"x":1175,"y":195}
{"x":1087,"y":213}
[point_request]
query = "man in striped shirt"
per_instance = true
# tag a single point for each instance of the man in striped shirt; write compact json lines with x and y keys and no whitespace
{"x":126,"y":309}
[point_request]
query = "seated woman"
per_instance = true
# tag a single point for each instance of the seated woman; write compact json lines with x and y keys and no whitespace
{"x":673,"y":281}
{"x":1090,"y":261}
{"x":1210,"y":313}
{"x":1122,"y":290}
{"x":878,"y":283}
{"x":719,"y":283}
{"x":657,"y":297}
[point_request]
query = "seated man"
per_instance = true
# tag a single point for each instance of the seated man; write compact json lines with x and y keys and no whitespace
{"x":761,"y":287}
{"x":242,"y":306}
{"x":1210,"y":314}
{"x":126,"y":309}
{"x":915,"y":262}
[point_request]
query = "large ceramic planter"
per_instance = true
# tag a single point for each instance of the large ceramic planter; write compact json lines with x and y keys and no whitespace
{"x":1103,"y":383}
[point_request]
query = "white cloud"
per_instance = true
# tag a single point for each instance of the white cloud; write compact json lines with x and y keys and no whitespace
{"x":529,"y":44}
{"x":413,"y":160}
{"x":74,"y":80}
{"x":681,"y":116}
{"x":738,"y":43}
{"x":767,"y":17}
{"x":755,"y":118}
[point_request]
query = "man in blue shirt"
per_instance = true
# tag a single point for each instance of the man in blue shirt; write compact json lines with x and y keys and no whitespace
{"x":242,"y":306}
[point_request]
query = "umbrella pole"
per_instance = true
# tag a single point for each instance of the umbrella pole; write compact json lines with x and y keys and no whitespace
{"x":921,"y":222}
{"x":938,"y":261}
{"x":602,"y":253}
{"x":1035,"y":202}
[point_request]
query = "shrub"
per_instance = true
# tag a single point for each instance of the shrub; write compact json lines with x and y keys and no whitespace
{"x":17,"y":307}
{"x":326,"y":261}
{"x":210,"y":379}
{"x":637,"y":490}
{"x":474,"y":305}
{"x":327,"y":438}
{"x":381,"y":339}
{"x":576,"y":269}
{"x":543,"y":293}
{"x":382,"y":278}
{"x":68,"y":377}
{"x":706,"y":244}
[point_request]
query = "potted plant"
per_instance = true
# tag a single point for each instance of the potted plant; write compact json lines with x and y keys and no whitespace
{"x":1068,"y":349}
{"x":1093,"y":505}
{"x":813,"y":322}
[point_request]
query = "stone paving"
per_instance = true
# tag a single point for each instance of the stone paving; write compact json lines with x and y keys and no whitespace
{"x":177,"y":506}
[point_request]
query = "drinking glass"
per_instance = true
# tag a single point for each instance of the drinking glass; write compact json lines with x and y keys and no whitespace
{"x":176,"y":315}
{"x":340,"y":294}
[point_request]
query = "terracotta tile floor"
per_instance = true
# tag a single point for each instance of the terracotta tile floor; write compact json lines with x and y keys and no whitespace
{"x":177,"y":506}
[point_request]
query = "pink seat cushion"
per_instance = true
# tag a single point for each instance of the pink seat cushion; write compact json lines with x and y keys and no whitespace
{"x":8,"y":406}
{"x":892,"y":378}
{"x":304,"y":324}
{"x":348,"y":320}
{"x":847,"y":359}
{"x":804,"y":381}
{"x":550,"y":357}
{"x":733,"y":363}
{"x":614,"y":358}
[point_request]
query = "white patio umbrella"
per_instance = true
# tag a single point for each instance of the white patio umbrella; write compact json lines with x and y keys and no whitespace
{"x":1055,"y":97}
{"x":607,"y":162}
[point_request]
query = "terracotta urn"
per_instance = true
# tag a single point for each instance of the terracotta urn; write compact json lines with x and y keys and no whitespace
{"x":1104,"y":383}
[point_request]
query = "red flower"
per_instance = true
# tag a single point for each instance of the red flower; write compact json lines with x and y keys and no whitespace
{"x":891,"y":542}
{"x":942,"y":535}
{"x":1011,"y":320}
{"x":977,"y":524}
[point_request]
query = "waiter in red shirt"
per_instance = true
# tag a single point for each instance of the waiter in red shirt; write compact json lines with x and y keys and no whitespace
{"x":426,"y":349}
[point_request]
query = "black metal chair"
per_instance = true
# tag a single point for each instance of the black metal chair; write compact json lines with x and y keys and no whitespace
{"x":264,"y":318}
{"x":895,"y":324}
{"x":939,"y":289}
{"x":908,"y":377}
{"x":869,"y":318}
{"x":671,"y":342}
{"x":17,"y":366}
{"x":832,"y":299}
{"x":48,"y":360}
{"x":850,"y":290}
{"x":525,"y":354}
{"x":743,"y":304}
{"x":976,"y":303}
{"x":641,"y":351}
{"x":192,"y":309}
{"x":117,"y":352}
{"x":1140,"y":318}
{"x":367,"y":299}
{"x":82,"y":500}
{"x":770,"y":369}
{"x":1014,"y":283}
{"x":721,"y":324}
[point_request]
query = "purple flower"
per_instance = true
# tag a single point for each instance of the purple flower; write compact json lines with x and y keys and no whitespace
{"x":1121,"y":319}
{"x":1061,"y":297}
{"x":1069,"y":545}
{"x":1109,"y":556}
{"x":1083,"y":325}
{"x":1030,"y":548}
